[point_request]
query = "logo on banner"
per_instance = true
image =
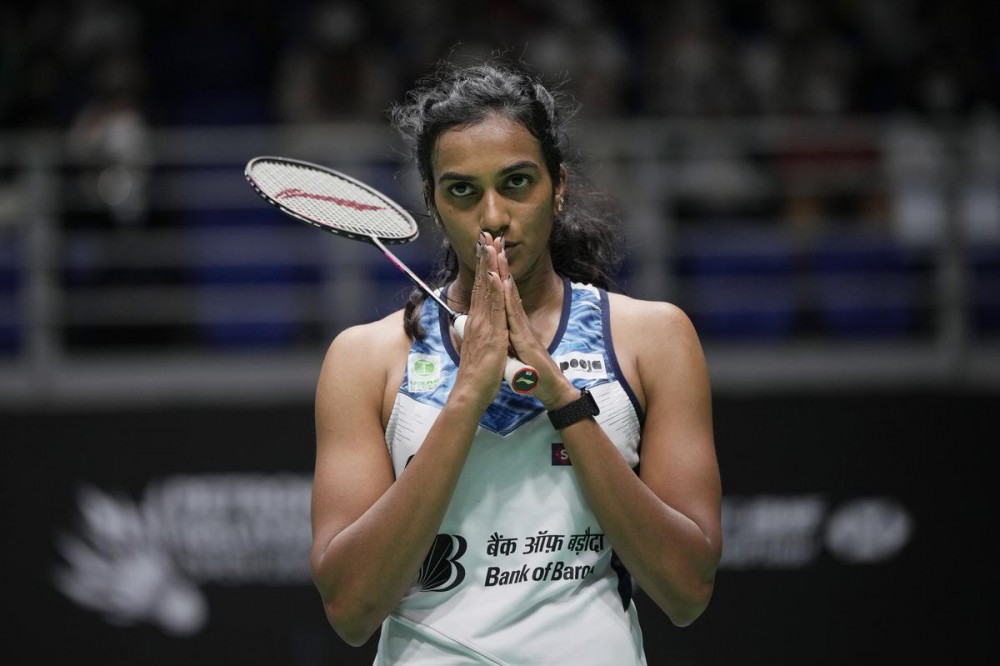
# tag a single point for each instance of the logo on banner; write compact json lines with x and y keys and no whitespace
{"x":145,"y":561}
{"x":792,"y":531}
{"x":149,"y":559}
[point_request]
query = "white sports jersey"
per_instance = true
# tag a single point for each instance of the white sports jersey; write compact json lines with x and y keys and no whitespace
{"x":521,"y":572}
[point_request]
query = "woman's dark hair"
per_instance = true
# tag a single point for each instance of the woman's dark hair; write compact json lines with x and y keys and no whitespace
{"x":585,"y":243}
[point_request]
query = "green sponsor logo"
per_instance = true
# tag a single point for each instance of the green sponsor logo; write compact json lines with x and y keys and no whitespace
{"x":424,"y":372}
{"x":423,"y":367}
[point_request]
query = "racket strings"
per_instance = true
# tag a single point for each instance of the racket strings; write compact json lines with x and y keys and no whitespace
{"x":324,"y":198}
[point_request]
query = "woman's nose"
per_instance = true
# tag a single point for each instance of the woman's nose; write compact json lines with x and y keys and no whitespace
{"x":493,"y":216}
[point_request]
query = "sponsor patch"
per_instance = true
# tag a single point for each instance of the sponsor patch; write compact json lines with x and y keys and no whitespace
{"x":577,"y":365}
{"x":423,"y":372}
{"x":560,"y":457}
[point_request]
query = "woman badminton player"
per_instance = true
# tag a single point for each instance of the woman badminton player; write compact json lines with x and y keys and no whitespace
{"x":470,"y":524}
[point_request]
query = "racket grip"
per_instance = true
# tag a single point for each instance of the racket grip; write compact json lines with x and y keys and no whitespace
{"x":521,"y":377}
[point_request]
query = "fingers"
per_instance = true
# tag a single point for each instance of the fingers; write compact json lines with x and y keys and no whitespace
{"x":503,"y":269}
{"x":521,"y":334}
{"x":487,"y":295}
{"x":487,"y":249}
{"x":487,"y":314}
{"x":484,"y":343}
{"x":526,"y":344}
{"x":517,"y":319}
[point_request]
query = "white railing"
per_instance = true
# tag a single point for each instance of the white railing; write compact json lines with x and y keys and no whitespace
{"x":204,"y":293}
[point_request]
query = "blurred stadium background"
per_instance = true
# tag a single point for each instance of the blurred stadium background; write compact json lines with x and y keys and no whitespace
{"x":817,"y":184}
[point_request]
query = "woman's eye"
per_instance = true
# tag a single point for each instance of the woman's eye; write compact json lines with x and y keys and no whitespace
{"x":460,"y":190}
{"x":519,"y":181}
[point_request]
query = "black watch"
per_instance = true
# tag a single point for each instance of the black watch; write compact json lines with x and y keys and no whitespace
{"x":583,"y":407}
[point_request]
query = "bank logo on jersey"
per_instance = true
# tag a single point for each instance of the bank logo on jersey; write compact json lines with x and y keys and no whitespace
{"x":424,"y":372}
{"x":441,"y":571}
{"x":577,"y":365}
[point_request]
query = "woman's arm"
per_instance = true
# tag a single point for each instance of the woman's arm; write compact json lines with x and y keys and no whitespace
{"x":665,"y":524}
{"x":371,"y":531}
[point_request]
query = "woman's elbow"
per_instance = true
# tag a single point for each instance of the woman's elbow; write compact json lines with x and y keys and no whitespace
{"x":693,"y":589}
{"x":355,"y":626}
{"x":354,"y":620}
{"x":687,"y":608}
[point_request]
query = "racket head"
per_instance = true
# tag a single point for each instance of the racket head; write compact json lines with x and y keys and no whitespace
{"x":330,"y":200}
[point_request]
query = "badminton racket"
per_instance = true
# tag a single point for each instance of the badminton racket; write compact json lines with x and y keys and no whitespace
{"x":335,"y":202}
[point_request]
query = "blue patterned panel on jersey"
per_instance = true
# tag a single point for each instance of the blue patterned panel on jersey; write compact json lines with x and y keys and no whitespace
{"x":578,"y":346}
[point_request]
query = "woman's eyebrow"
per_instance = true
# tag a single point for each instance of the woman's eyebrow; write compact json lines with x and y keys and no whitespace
{"x":517,"y":166}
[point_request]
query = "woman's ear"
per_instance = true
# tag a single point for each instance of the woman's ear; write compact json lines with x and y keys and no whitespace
{"x":559,"y":193}
{"x":563,"y":179}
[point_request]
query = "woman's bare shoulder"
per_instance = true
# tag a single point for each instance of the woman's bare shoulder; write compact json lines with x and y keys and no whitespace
{"x":648,"y":318}
{"x":653,"y":334}
{"x":380,"y":336}
{"x":658,"y":349}
{"x":370,"y":352}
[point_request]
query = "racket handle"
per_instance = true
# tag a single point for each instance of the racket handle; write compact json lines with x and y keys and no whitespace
{"x":521,"y":378}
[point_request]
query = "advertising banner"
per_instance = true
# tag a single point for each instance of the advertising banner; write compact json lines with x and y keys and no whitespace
{"x":180,"y":535}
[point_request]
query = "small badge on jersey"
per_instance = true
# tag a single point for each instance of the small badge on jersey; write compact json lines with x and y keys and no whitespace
{"x":423,"y":372}
{"x":560,"y":456}
{"x":577,"y":365}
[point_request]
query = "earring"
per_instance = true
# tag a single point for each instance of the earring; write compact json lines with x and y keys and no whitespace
{"x":559,"y":204}
{"x":437,"y":219}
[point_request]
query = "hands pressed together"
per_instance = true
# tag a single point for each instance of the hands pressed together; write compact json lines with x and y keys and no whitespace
{"x":498,"y":326}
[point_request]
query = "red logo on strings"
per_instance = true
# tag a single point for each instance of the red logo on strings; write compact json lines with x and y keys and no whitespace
{"x":296,"y":193}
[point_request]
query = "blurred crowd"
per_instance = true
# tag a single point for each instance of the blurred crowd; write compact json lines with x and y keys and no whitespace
{"x":302,"y":61}
{"x":109,"y":72}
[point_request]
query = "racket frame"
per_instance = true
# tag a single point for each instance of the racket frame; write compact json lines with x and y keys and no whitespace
{"x":521,"y":378}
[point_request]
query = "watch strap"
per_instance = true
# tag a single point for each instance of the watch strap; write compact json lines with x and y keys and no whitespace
{"x":582,"y":408}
